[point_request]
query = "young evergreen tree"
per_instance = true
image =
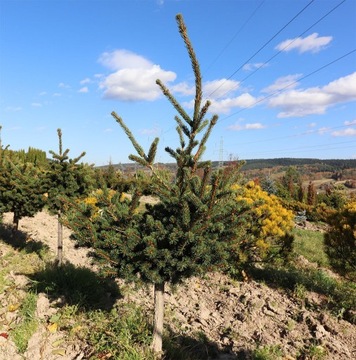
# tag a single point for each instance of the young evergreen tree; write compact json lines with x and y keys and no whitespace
{"x":22,"y":189}
{"x":21,"y":185}
{"x":188,"y":232}
{"x":311,"y":194}
{"x":2,"y":173}
{"x":66,"y":179}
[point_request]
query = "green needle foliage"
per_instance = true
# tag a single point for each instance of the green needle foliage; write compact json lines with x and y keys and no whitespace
{"x":22,"y":189}
{"x":189,"y":231}
{"x":21,"y":186}
{"x":66,"y":179}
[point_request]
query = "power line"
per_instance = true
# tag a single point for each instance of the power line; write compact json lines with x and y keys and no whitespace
{"x":265,"y":44}
{"x":234,"y":37}
{"x":296,"y":135}
{"x":322,"y":147}
{"x":290,"y":84}
{"x":288,"y":45}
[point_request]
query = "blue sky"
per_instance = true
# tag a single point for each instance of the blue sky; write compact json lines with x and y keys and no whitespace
{"x":283,"y":85}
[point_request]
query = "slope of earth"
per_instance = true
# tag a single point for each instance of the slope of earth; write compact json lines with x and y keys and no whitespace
{"x":235,"y":317}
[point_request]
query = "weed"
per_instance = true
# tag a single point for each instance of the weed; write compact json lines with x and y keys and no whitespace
{"x":79,"y":285}
{"x":123,"y":333}
{"x":314,"y":352}
{"x":290,"y":325}
{"x":300,"y":292}
{"x":272,"y":352}
{"x":28,"y":324}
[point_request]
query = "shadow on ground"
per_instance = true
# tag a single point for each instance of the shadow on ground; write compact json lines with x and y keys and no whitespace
{"x":76,"y":286}
{"x":183,"y":347}
{"x":21,"y":240}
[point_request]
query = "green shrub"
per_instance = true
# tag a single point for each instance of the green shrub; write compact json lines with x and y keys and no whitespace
{"x":340,"y":240}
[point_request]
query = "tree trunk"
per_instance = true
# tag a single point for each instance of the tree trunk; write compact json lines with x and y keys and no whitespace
{"x":60,"y":241}
{"x":15,"y":222}
{"x":158,"y":318}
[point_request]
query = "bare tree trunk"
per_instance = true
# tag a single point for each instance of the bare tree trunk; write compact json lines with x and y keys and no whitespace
{"x":60,"y":240}
{"x":15,"y":222}
{"x":158,"y":318}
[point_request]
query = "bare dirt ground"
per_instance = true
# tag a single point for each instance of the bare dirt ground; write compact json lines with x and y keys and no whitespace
{"x":236,"y":317}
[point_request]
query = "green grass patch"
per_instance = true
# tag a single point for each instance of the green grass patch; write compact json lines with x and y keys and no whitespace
{"x":123,"y":333}
{"x":28,"y":324}
{"x":272,"y":352}
{"x":79,"y":285}
{"x":310,"y":244}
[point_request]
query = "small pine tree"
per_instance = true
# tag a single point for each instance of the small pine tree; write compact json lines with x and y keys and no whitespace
{"x":66,"y":179}
{"x":21,"y":185}
{"x":340,"y":240}
{"x":301,"y":192}
{"x":22,"y":189}
{"x":311,"y":194}
{"x":192,"y":227}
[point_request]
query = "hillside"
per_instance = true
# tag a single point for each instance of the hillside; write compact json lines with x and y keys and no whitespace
{"x":314,"y":165}
{"x":214,"y":317}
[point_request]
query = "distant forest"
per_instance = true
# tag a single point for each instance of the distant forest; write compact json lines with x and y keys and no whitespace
{"x":322,"y":165}
{"x":255,"y":164}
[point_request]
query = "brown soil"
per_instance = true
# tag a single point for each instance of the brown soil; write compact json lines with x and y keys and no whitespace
{"x":234,"y":316}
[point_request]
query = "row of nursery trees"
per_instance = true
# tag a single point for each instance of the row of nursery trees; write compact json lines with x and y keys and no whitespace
{"x":202,"y":220}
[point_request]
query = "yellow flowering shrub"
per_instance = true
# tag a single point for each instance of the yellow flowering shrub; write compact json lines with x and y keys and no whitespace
{"x":92,"y":202}
{"x":266,"y":222}
{"x":271,"y":218}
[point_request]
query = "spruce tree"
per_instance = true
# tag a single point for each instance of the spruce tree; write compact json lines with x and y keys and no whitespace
{"x":22,"y":189}
{"x":66,"y":179}
{"x":21,"y":185}
{"x":191,"y":228}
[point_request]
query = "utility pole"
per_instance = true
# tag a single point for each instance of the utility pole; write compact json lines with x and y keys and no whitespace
{"x":221,"y":153}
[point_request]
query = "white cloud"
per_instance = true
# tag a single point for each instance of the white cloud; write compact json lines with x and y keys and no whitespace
{"x":149,"y":132}
{"x":57,"y":94}
{"x":225,"y":105}
{"x":13,"y":108}
{"x":253,"y":66}
{"x":311,"y":125}
{"x":239,"y":127}
{"x":108,"y":130}
{"x":289,"y":81}
{"x":63,"y":86}
{"x":345,"y":132}
{"x":43,"y":93}
{"x":299,"y":103}
{"x":219,"y":88}
{"x":85,"y":81}
{"x":184,"y":89}
{"x":134,"y":77}
{"x":124,"y":59}
{"x":36,"y":105}
{"x":84,"y":89}
{"x":323,"y":130}
{"x":211,"y":89}
{"x":312,"y":43}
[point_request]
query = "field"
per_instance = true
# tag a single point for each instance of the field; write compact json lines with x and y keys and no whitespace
{"x":300,"y":311}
